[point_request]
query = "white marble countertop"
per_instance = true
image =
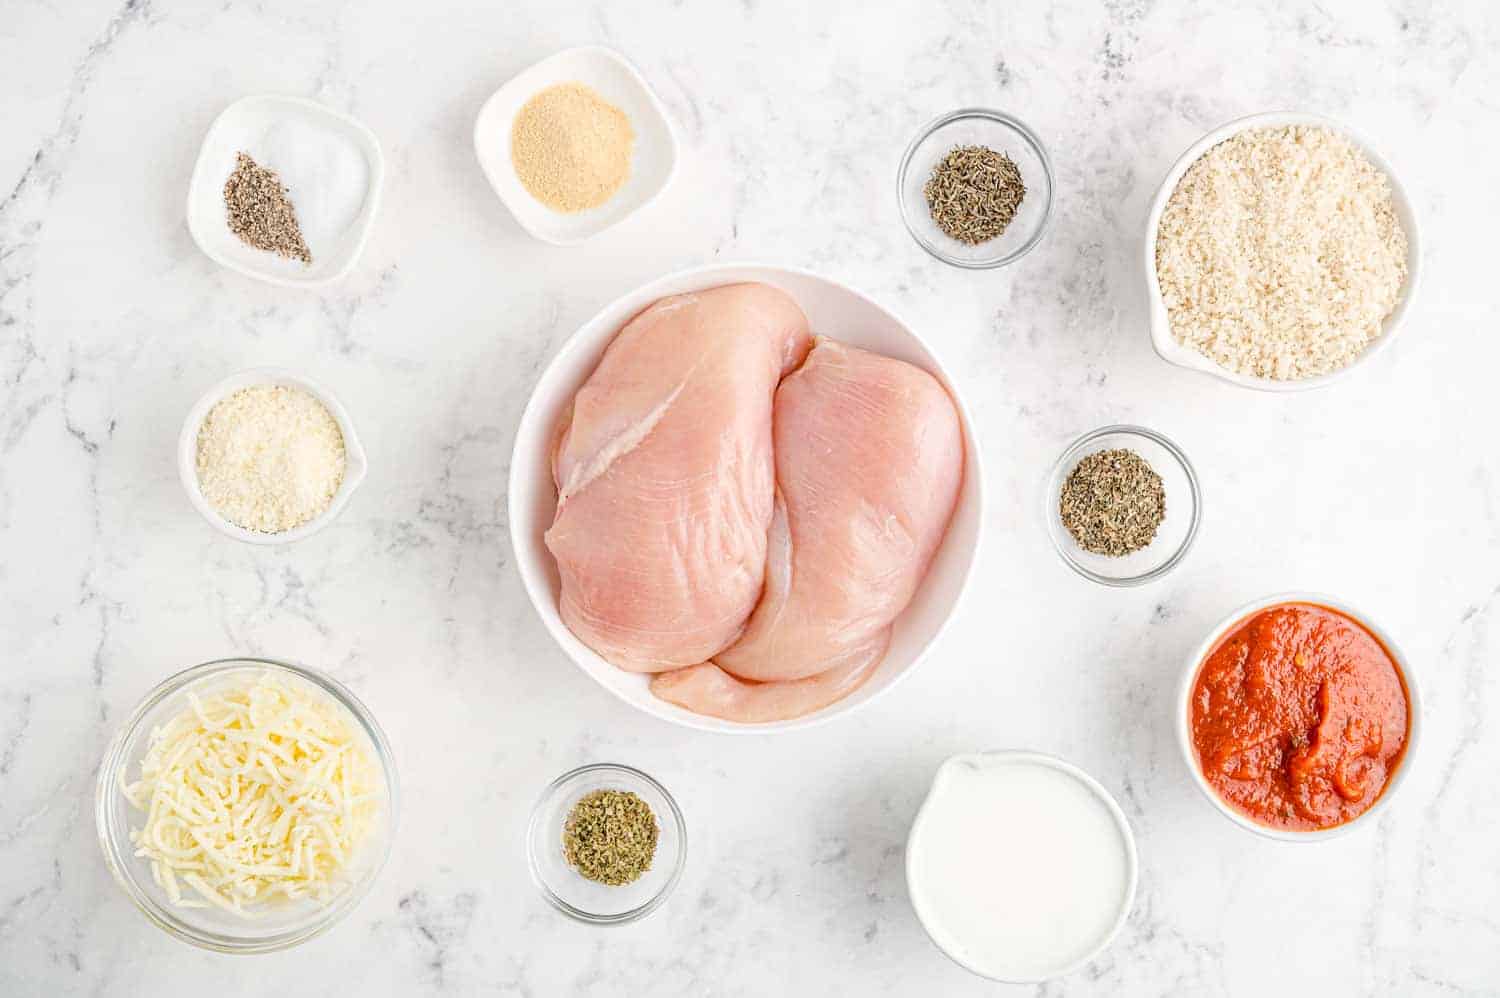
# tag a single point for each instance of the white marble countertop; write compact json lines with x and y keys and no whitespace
{"x":1384,"y":490}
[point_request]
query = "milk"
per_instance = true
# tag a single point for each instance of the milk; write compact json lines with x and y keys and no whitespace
{"x":1018,"y":865}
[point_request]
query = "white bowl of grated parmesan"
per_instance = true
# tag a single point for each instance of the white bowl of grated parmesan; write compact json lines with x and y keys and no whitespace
{"x":1321,"y":308}
{"x":269,"y":457}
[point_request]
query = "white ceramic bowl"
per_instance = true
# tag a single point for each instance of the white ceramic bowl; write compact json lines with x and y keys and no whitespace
{"x":336,"y":236}
{"x":923,"y":906}
{"x":834,"y":310}
{"x":1161,"y":332}
{"x":653,"y":160}
{"x":1184,"y":728}
{"x":355,"y":464}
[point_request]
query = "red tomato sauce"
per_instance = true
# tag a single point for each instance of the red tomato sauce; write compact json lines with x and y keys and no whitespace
{"x":1299,"y":717}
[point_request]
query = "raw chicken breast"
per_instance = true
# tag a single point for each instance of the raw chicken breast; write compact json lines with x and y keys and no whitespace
{"x":665,"y":477}
{"x":869,"y":459}
{"x":708,"y":689}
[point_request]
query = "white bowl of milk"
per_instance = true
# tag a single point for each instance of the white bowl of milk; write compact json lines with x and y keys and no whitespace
{"x":1020,"y":866}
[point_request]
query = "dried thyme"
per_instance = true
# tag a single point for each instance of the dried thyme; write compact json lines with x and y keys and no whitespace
{"x":261,"y":212}
{"x":610,"y":837}
{"x":1112,"y":502}
{"x":973,"y":193}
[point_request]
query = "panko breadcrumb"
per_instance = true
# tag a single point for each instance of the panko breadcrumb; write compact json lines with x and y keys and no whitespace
{"x":1280,"y":254}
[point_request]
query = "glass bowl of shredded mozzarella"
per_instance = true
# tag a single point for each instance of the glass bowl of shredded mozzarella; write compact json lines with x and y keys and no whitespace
{"x":247,"y":805}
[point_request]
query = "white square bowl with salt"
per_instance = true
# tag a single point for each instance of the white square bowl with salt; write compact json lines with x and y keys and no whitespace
{"x":331,"y":166}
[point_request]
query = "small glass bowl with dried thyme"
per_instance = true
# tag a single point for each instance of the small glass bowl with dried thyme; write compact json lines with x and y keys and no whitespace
{"x":606,"y":844}
{"x":975,"y":188}
{"x":1122,"y":505}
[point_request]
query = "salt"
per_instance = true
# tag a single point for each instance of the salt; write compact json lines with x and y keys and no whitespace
{"x":325,"y":174}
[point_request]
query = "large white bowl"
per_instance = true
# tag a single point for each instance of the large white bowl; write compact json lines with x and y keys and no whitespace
{"x":834,"y":310}
{"x":1183,"y":703}
{"x":1173,"y":352}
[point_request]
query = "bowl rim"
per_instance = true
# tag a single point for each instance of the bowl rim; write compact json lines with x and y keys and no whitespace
{"x":112,"y":769}
{"x":482,"y":122}
{"x":356,"y":464}
{"x":1194,"y":662}
{"x":1069,"y":456}
{"x":364,"y":223}
{"x":639,"y":911}
{"x":1027,"y":135}
{"x":1158,"y":323}
{"x":713,"y":275}
{"x":1122,"y":824}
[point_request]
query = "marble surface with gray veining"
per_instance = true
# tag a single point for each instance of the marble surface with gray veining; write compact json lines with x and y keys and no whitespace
{"x":1384,"y":490}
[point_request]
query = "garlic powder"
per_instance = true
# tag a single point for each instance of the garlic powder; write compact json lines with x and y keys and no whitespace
{"x":270,"y":458}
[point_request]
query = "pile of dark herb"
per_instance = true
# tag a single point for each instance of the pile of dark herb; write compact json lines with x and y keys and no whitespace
{"x":260,"y":211}
{"x":1112,"y":502}
{"x":973,"y":193}
{"x":610,"y":837}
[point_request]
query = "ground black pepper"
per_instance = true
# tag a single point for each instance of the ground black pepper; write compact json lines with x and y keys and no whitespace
{"x":260,"y":211}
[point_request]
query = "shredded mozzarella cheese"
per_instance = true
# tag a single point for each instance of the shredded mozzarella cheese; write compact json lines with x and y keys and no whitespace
{"x":261,"y":792}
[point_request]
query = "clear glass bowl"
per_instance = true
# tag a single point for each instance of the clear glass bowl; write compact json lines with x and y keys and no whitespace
{"x":1184,"y":500}
{"x":275,"y":928}
{"x":1003,"y":133}
{"x":568,"y":891}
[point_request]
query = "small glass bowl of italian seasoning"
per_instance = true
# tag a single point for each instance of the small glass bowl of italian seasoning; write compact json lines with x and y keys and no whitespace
{"x":1122,"y":505}
{"x":606,"y":844}
{"x":975,"y":188}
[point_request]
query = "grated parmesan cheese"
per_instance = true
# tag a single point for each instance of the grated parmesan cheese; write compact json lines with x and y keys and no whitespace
{"x":270,"y":458}
{"x":262,"y":792}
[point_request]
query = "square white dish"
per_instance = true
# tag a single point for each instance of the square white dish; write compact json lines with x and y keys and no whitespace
{"x":653,"y":159}
{"x":335,"y":215}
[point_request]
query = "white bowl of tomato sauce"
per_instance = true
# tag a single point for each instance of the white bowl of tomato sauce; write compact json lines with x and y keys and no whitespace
{"x":1298,"y":717}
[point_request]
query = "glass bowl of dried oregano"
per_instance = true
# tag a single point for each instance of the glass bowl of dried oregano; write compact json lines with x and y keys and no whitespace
{"x":1122,"y":505}
{"x":975,"y":188}
{"x":606,"y":844}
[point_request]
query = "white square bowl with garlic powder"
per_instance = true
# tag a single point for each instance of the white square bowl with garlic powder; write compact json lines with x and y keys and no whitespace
{"x":653,"y":155}
{"x":354,"y":469}
{"x":330,"y":165}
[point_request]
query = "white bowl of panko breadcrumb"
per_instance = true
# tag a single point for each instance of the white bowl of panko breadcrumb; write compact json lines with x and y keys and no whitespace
{"x":1281,"y":253}
{"x":269,"y":457}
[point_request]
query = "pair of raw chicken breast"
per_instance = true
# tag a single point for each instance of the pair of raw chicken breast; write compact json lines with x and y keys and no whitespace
{"x":743,"y":508}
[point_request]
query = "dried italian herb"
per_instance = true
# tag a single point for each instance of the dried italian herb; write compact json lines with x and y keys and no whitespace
{"x":610,"y":837}
{"x":973,"y":193}
{"x":1112,"y":502}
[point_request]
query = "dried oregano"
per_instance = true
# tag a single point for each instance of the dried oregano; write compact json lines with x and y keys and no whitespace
{"x":1112,"y":502}
{"x":610,"y":837}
